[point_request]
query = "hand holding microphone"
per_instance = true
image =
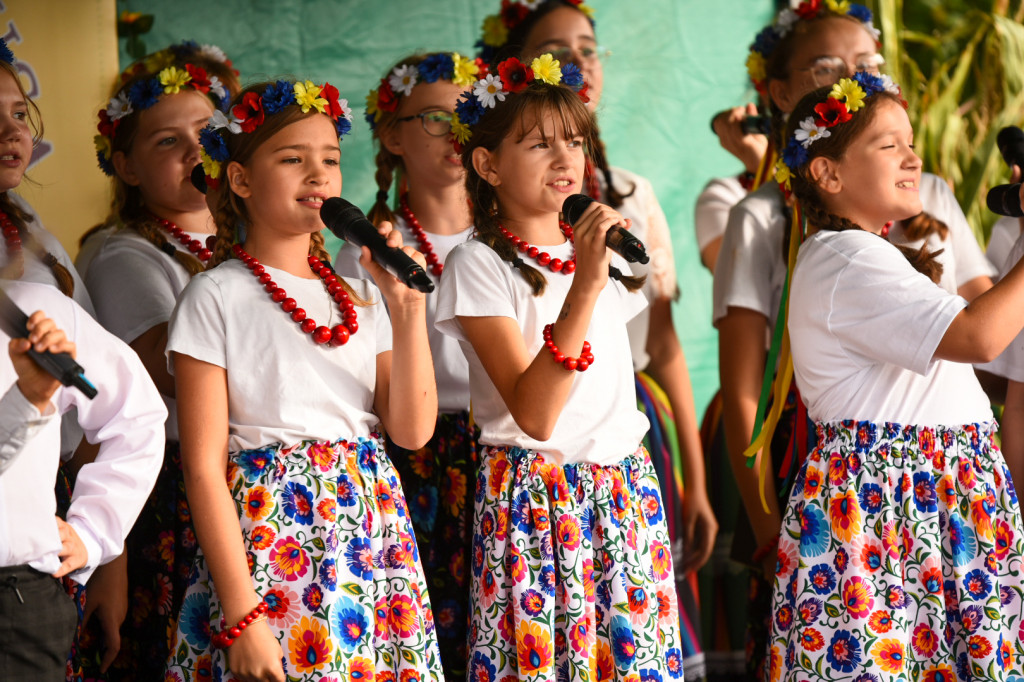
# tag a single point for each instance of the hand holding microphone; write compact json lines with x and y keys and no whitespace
{"x":347,"y":222}
{"x":617,"y":239}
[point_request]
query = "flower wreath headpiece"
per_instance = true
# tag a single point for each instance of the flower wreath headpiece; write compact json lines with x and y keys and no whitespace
{"x":513,"y":77}
{"x":176,"y":53}
{"x":846,"y":98}
{"x":404,"y":77}
{"x":5,"y":53}
{"x":496,"y":27}
{"x":142,"y":94}
{"x":249,"y":114}
{"x":768,"y":39}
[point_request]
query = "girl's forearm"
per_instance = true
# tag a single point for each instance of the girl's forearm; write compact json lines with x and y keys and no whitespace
{"x":412,"y":395}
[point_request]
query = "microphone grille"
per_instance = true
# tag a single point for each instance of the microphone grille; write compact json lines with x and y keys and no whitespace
{"x":574,"y":206}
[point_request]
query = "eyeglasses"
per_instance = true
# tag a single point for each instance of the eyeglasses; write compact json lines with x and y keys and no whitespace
{"x":437,"y":122}
{"x":584,"y":55}
{"x":828,"y":70}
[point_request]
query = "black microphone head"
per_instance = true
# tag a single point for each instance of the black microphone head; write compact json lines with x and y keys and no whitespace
{"x":1010,"y":141}
{"x":574,"y":206}
{"x":1005,"y":200}
{"x":198,"y":178}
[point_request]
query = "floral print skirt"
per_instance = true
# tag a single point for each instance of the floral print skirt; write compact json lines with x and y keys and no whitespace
{"x":332,"y":552}
{"x":899,"y":559}
{"x":572,"y":572}
{"x":438,"y":482}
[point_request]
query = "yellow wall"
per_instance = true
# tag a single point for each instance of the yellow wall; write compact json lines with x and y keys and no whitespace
{"x":67,"y":54}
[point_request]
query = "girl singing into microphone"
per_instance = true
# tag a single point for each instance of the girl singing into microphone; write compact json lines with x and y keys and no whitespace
{"x":572,"y":571}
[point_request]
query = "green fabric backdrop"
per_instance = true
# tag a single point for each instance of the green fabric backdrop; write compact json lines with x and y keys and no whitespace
{"x":673,"y":64}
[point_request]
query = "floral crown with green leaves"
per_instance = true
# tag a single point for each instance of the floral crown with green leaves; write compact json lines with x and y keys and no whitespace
{"x":769,"y":37}
{"x":512,"y":77}
{"x":142,"y":93}
{"x":444,"y":66}
{"x":496,"y":27}
{"x":845,"y":99}
{"x":251,"y":111}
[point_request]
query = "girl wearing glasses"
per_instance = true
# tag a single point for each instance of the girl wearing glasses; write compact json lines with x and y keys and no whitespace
{"x":410,"y":114}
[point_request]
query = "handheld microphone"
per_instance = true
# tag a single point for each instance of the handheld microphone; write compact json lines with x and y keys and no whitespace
{"x":756,"y":125}
{"x":617,"y":239}
{"x":1010,"y":141}
{"x":1005,"y":200}
{"x":198,"y":178}
{"x":61,"y":366}
{"x":347,"y":222}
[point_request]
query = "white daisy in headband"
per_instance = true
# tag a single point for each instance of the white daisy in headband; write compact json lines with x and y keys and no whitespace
{"x":403,"y":79}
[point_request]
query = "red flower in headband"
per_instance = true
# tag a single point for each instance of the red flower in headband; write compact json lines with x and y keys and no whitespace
{"x":582,"y":92}
{"x":106,"y":127}
{"x":483,"y":68}
{"x":832,"y":112}
{"x":330,"y":93}
{"x":512,"y":13}
{"x":808,"y":9}
{"x":249,"y":112}
{"x":200,"y":80}
{"x":386,"y":98}
{"x":515,"y":75}
{"x":575,"y":2}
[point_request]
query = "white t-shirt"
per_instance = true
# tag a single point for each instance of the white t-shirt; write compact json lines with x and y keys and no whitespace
{"x":450,"y":369}
{"x":650,"y":226}
{"x":864,"y":326}
{"x":126,"y":418}
{"x":1010,"y":363}
{"x":600,"y":423}
{"x":92,"y":246}
{"x":751,"y":267}
{"x":135,"y":287}
{"x":1005,"y":232}
{"x":713,"y":206}
{"x":282,"y":386}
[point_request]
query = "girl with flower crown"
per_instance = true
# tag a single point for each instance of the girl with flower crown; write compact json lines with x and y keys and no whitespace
{"x":308,"y":567}
{"x":572,"y":568}
{"x":148,"y":143}
{"x":901,"y":543}
{"x":566,"y":28}
{"x":804,"y":48}
{"x":410,"y":113}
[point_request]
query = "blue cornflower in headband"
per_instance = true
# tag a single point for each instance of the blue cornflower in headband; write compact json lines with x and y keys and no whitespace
{"x":5,"y":53}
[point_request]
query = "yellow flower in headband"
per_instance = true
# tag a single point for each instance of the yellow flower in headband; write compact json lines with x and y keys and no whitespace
{"x":371,"y":105}
{"x":755,"y":67}
{"x":308,"y":97}
{"x":587,"y":10}
{"x":851,"y":90}
{"x":210,"y":167}
{"x":782,"y":173}
{"x":495,"y":31}
{"x":460,"y":130}
{"x":159,"y":61}
{"x":464,"y":70}
{"x":173,"y":79}
{"x":102,"y":143}
{"x":838,"y":6}
{"x":546,"y":68}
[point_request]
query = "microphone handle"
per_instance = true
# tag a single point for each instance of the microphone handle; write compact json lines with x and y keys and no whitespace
{"x":402,"y":268}
{"x":622,"y":242}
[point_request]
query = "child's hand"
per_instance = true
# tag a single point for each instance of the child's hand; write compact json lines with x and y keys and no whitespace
{"x":37,"y":385}
{"x":747,"y":147}
{"x":73,"y":554}
{"x":108,"y":600}
{"x":592,"y":253}
{"x":256,"y":655}
{"x":394,"y":290}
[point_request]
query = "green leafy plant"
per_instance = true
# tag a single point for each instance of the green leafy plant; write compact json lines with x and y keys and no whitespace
{"x":961,"y":66}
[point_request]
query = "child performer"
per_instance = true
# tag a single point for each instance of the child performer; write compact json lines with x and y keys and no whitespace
{"x":37,"y":618}
{"x":307,"y":567}
{"x":149,"y":144}
{"x":901,"y":545}
{"x":572,"y":571}
{"x":410,"y":113}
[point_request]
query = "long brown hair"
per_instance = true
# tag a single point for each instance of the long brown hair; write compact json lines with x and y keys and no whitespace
{"x":516,"y":117}
{"x":229,"y":211}
{"x":841,"y":137}
{"x":20,"y":218}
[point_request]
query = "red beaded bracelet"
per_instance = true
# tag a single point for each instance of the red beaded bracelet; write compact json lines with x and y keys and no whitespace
{"x":580,"y":364}
{"x":227,"y":636}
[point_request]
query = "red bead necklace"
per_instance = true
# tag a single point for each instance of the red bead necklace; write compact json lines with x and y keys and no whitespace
{"x":543,"y":258}
{"x":196,"y":247}
{"x":435,"y":265}
{"x":337,"y":336}
{"x":11,"y":235}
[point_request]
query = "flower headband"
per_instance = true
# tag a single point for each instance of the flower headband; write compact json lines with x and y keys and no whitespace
{"x":496,"y":27}
{"x":768,"y":39}
{"x":250,"y":113}
{"x":144,"y":93}
{"x":513,"y":76}
{"x":404,"y":77}
{"x":5,"y":53}
{"x":846,"y":98}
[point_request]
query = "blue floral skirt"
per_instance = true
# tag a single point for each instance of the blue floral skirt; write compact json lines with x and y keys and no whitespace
{"x":332,"y":552}
{"x":899,"y":559}
{"x":572,"y":572}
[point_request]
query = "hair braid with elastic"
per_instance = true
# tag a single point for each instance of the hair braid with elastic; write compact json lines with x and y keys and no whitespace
{"x":924,"y":224}
{"x":387,"y":163}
